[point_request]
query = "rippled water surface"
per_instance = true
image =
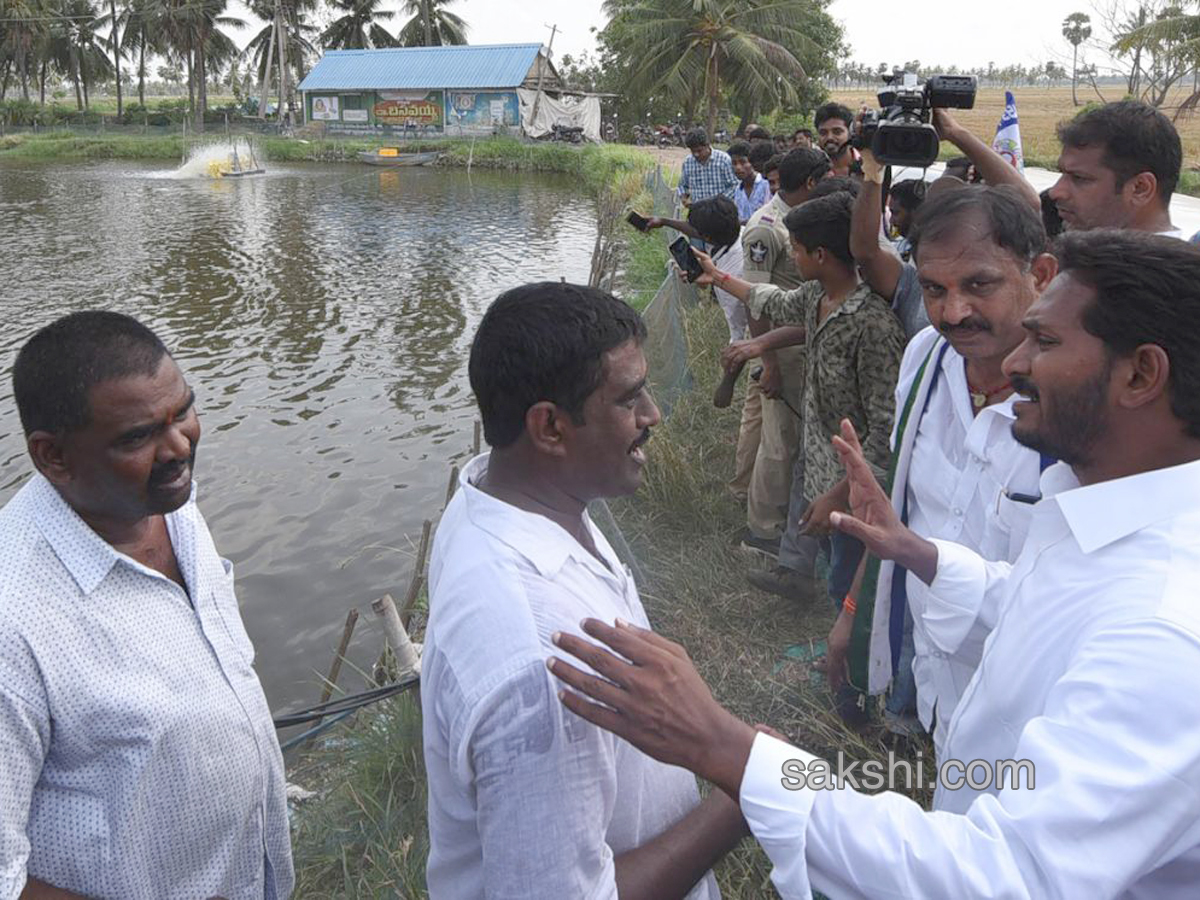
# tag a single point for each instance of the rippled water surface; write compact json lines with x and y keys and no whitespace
{"x":323,"y":315}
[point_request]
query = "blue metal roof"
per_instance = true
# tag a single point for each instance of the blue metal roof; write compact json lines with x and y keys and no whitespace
{"x":470,"y":67}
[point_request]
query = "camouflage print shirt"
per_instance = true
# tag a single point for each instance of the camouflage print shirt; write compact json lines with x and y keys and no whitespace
{"x":852,"y":366}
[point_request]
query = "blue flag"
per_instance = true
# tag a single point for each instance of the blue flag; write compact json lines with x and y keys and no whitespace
{"x":1008,"y":135}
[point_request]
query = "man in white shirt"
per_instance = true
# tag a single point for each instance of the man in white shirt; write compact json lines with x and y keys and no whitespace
{"x":1090,"y":672}
{"x":982,"y":261}
{"x":526,"y":800}
{"x":1120,"y":164}
{"x":139,"y":758}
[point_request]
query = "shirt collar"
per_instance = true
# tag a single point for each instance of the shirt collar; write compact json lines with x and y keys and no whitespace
{"x":87,"y":556}
{"x":545,"y":543}
{"x":1100,"y":514}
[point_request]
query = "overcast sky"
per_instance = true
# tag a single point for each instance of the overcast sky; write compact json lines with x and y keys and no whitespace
{"x":933,"y":31}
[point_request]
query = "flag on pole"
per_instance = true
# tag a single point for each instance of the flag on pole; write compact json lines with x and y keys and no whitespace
{"x":1008,"y":134}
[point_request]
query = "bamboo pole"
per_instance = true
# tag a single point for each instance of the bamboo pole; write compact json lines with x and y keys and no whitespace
{"x":414,"y":586}
{"x":451,"y":486}
{"x":407,"y":658}
{"x":477,"y":441}
{"x":336,"y":668}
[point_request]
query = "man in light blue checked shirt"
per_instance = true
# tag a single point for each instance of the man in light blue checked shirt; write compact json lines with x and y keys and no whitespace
{"x":707,"y":172}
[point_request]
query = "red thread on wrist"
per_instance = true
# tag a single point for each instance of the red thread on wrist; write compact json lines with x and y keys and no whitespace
{"x":848,"y":605}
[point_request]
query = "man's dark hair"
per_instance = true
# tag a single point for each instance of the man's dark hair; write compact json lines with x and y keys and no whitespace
{"x":760,"y":153}
{"x":1136,"y":138}
{"x":909,"y":194}
{"x":758,"y":133}
{"x":832,"y":184}
{"x":833,"y":110}
{"x":739,"y":148}
{"x":800,"y":165}
{"x":1012,"y":222}
{"x":824,"y":222}
{"x":807,"y":132}
{"x":717,"y":221}
{"x":697,"y":137}
{"x":772,"y":163}
{"x":1147,"y":291}
{"x":544,"y":341}
{"x":61,"y":363}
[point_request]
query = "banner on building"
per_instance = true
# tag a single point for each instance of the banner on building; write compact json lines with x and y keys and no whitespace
{"x":325,"y":109}
{"x":410,"y":108}
{"x":481,"y":111}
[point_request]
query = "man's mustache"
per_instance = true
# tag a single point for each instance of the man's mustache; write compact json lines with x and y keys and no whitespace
{"x":1023,"y":386}
{"x":164,"y":473}
{"x":967,"y":326}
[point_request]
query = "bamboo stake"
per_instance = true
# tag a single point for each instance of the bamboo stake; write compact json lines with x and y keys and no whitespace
{"x":414,"y":586}
{"x":407,"y":659}
{"x":336,"y":668}
{"x":451,"y":486}
{"x":478,"y":435}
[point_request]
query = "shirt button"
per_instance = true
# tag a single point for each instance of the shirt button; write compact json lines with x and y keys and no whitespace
{"x":958,"y":512}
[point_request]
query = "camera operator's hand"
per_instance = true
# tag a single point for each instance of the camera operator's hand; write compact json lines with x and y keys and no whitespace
{"x":871,"y":167}
{"x":947,"y":128}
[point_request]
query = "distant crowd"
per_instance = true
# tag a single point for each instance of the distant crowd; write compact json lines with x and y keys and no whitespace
{"x":970,"y":429}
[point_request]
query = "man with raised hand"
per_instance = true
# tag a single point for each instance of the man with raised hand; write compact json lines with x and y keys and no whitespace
{"x":139,"y":758}
{"x":1090,"y":671}
{"x":1120,"y":165}
{"x":526,"y":800}
{"x":982,"y":260}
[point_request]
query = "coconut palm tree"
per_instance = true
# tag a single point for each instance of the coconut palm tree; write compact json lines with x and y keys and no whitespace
{"x":143,"y":35}
{"x":300,"y":37}
{"x":23,"y":26}
{"x":690,"y":50}
{"x":431,"y":25}
{"x":1076,"y":29}
{"x":358,"y":28}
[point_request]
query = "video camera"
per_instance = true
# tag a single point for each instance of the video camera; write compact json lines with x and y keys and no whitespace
{"x":900,"y":133}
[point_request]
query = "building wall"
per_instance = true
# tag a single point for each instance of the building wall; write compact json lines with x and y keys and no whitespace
{"x":415,"y":113}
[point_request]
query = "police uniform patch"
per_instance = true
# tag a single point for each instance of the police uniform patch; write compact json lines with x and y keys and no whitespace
{"x":758,"y":252}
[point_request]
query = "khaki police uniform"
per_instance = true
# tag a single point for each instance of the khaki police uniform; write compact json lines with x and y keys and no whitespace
{"x":767,"y":259}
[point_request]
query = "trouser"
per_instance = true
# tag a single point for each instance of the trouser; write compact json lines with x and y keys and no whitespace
{"x":768,"y":497}
{"x":749,"y":433}
{"x":796,"y":551}
{"x":902,"y":700}
{"x":845,"y":553}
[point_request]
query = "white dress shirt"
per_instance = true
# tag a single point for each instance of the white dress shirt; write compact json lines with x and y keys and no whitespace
{"x":961,"y":467}
{"x":730,"y":260}
{"x":137,"y":754}
{"x":1092,"y":673}
{"x":527,"y":800}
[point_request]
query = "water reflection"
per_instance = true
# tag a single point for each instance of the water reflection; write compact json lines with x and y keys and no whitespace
{"x":323,"y":315}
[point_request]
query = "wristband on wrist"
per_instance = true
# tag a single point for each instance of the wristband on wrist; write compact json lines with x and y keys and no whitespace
{"x":722,"y":276}
{"x":848,"y":605}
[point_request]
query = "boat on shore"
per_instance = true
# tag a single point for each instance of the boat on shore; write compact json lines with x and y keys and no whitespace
{"x":390,"y":156}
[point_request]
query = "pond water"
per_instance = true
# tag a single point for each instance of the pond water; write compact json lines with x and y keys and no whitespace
{"x":323,"y":315}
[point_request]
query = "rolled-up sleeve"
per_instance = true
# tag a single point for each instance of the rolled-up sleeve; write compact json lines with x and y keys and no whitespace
{"x":780,"y":306}
{"x":545,"y":790}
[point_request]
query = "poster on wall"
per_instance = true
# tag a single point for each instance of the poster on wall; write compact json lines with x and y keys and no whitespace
{"x":354,"y":115}
{"x":413,"y":109}
{"x":482,"y":111}
{"x":325,"y":109}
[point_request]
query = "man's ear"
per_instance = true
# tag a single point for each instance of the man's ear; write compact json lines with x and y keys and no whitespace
{"x":1142,"y":189}
{"x":544,"y":425}
{"x":1146,"y":376}
{"x":47,"y":452}
{"x":1044,"y":267}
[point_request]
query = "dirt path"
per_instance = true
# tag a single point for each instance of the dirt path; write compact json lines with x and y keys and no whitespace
{"x":667,"y":157}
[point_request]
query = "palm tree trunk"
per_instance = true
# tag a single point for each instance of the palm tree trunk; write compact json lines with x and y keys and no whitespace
{"x":75,"y":80}
{"x":116,"y":48}
{"x":264,"y":87}
{"x":142,"y":70}
{"x":714,"y":89}
{"x":4,"y":80}
{"x":426,"y":14}
{"x":1075,"y":74}
{"x":201,"y":80}
{"x":191,"y":73}
{"x":42,"y":83}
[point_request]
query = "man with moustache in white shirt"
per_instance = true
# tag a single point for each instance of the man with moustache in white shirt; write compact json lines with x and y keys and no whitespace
{"x":1091,"y":671}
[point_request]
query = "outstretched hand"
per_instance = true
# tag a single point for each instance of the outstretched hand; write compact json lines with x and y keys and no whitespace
{"x":657,"y":701}
{"x":872,"y":519}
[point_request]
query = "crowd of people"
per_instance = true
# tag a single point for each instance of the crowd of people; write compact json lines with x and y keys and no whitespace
{"x":988,"y":440}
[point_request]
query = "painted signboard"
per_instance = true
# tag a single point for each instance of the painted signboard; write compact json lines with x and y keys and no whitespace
{"x":325,"y":109}
{"x":482,"y":111}
{"x":419,"y":108}
{"x":354,"y":115}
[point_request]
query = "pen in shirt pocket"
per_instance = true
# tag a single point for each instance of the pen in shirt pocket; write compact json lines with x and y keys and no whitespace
{"x":1021,"y":498}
